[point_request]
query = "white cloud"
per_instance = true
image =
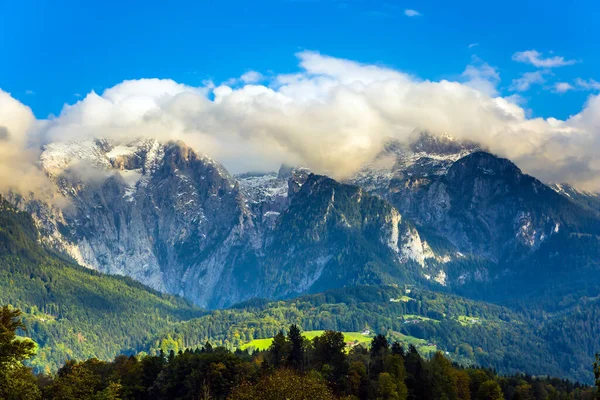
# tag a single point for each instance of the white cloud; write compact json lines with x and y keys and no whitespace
{"x":333,"y":115}
{"x":252,"y":77}
{"x":578,"y":84}
{"x":246,"y":78}
{"x":473,"y":45}
{"x":17,"y":160}
{"x":411,"y":13}
{"x":481,"y":76}
{"x":517,"y":99}
{"x":535,"y":58}
{"x":29,"y":92}
{"x":528,"y":79}
{"x":563,"y":87}
{"x":587,"y":84}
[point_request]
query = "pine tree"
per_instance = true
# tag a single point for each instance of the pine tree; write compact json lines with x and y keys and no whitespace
{"x":16,"y":381}
{"x":296,"y":356}
{"x":279,"y":350}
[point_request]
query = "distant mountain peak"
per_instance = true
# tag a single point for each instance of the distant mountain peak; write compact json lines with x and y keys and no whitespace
{"x":443,"y":144}
{"x":483,"y":163}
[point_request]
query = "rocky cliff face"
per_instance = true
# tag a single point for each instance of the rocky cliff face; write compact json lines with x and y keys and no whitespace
{"x":179,"y":222}
{"x":159,"y":213}
{"x":479,"y":213}
{"x":587,"y":200}
{"x":437,"y":211}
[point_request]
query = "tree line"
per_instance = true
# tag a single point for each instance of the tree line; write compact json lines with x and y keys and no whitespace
{"x":293,"y":368}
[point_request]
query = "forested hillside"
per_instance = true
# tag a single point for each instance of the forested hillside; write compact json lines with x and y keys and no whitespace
{"x":469,"y":332}
{"x":73,"y":312}
{"x":293,"y":368}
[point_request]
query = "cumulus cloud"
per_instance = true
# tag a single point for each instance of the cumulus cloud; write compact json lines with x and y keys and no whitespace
{"x":481,"y":76}
{"x":18,"y":169}
{"x":528,"y":79}
{"x":333,"y":115}
{"x":536,"y":59}
{"x":563,"y":87}
{"x":411,"y":13}
{"x":252,"y":77}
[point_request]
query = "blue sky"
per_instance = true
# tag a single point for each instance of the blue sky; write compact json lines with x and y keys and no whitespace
{"x":54,"y":51}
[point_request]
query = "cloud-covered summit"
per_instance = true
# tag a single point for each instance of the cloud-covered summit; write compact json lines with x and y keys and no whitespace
{"x":333,"y":115}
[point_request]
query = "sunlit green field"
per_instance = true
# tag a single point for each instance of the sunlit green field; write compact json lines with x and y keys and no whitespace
{"x":351,"y":337}
{"x":420,"y":344}
{"x":466,"y":320}
{"x":263,"y":344}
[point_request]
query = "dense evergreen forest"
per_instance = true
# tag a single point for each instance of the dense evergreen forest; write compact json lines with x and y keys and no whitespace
{"x":293,"y":367}
{"x":469,"y":332}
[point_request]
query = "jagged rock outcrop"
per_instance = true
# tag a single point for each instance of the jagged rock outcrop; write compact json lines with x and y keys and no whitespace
{"x":479,"y":213}
{"x":587,"y":200}
{"x":179,"y":222}
{"x":437,"y":211}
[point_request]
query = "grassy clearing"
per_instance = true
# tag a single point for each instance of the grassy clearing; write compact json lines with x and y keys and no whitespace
{"x":421,"y":344}
{"x":354,"y":337}
{"x":258,"y":344}
{"x":417,"y":317}
{"x":404,"y":299}
{"x":466,"y":320}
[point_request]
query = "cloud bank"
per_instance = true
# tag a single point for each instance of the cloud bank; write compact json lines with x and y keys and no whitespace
{"x":333,"y":115}
{"x":18,"y":169}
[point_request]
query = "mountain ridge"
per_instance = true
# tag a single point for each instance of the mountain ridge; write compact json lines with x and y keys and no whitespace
{"x":179,"y":222}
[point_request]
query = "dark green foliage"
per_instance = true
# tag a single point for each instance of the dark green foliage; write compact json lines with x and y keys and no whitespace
{"x":509,"y":341}
{"x":16,"y":380}
{"x":330,"y":373}
{"x":279,"y":350}
{"x":296,"y":357}
{"x":489,"y":390}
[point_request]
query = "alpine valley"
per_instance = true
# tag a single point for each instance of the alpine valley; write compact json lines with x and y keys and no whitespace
{"x":436,"y":242}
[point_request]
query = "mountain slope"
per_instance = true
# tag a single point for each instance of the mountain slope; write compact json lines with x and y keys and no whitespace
{"x":489,"y":224}
{"x":588,"y":200}
{"x":73,"y":312}
{"x":180,"y":223}
{"x":436,"y":210}
{"x":353,"y":236}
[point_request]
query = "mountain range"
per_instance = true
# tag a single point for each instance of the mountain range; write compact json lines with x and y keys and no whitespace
{"x":444,"y":216}
{"x":437,"y":212}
